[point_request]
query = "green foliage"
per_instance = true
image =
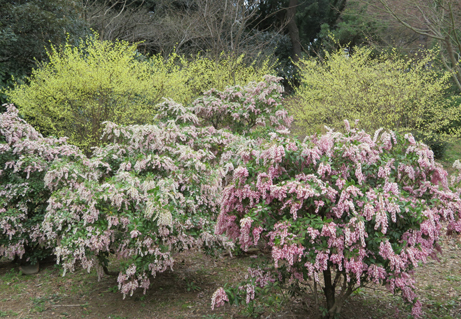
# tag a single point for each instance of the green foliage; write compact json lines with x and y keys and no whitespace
{"x":383,"y":91}
{"x":81,"y":87}
{"x":25,"y":157}
{"x":205,"y":74}
{"x":310,"y":15}
{"x":355,"y":27}
{"x":30,"y":188}
{"x":26,"y":28}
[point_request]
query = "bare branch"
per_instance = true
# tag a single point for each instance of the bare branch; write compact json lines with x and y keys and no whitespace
{"x":406,"y":24}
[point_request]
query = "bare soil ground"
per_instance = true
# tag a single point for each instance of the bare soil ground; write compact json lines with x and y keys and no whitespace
{"x":186,"y":293}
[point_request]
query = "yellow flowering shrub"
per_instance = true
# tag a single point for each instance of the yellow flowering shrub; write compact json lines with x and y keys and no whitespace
{"x":81,"y":87}
{"x":380,"y":91}
{"x":228,"y":70}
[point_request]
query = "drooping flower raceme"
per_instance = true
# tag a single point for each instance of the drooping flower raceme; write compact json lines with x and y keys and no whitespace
{"x":242,"y":109}
{"x":149,"y":193}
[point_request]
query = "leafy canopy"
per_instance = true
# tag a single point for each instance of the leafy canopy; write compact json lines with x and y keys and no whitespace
{"x":27,"y":28}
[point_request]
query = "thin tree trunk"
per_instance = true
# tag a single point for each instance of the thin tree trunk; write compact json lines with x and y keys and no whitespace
{"x":329,"y":291}
{"x":335,"y":302}
{"x":109,"y":273}
{"x":293,"y":30}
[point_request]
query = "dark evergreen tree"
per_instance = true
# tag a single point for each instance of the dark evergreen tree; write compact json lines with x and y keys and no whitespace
{"x":28,"y":27}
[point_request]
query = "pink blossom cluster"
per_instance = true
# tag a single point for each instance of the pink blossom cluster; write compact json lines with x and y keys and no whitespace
{"x":241,"y":109}
{"x":25,"y":157}
{"x":346,"y":203}
{"x":218,"y":298}
{"x":261,"y":278}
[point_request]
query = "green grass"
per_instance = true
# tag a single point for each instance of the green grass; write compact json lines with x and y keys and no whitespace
{"x":39,"y":304}
{"x":453,"y":278}
{"x":8,"y":313}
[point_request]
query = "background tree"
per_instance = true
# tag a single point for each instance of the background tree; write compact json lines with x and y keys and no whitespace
{"x":437,"y":20}
{"x":356,"y":26}
{"x":300,"y":19}
{"x":183,"y":27}
{"x":132,"y":21}
{"x":27,"y":28}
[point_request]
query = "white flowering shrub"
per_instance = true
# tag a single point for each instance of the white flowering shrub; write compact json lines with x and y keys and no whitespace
{"x":243,"y":109}
{"x":25,"y":157}
{"x":151,"y":191}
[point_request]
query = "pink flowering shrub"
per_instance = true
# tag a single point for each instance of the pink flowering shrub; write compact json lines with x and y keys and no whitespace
{"x":25,"y":157}
{"x":243,"y":109}
{"x":341,"y":209}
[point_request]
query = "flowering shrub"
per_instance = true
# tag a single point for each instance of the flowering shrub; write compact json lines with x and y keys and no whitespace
{"x":242,"y":109}
{"x":153,"y":190}
{"x":150,"y":192}
{"x":350,"y":208}
{"x":382,"y":90}
{"x":25,"y":157}
{"x":96,"y":81}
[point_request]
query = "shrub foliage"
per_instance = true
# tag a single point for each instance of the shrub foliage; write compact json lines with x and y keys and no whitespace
{"x":381,"y":91}
{"x":151,"y":191}
{"x":25,"y":157}
{"x":349,"y":209}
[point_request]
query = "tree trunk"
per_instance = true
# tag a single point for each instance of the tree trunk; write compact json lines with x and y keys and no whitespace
{"x":329,"y":291}
{"x":336,"y":302}
{"x":454,"y":63}
{"x":293,"y":30}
